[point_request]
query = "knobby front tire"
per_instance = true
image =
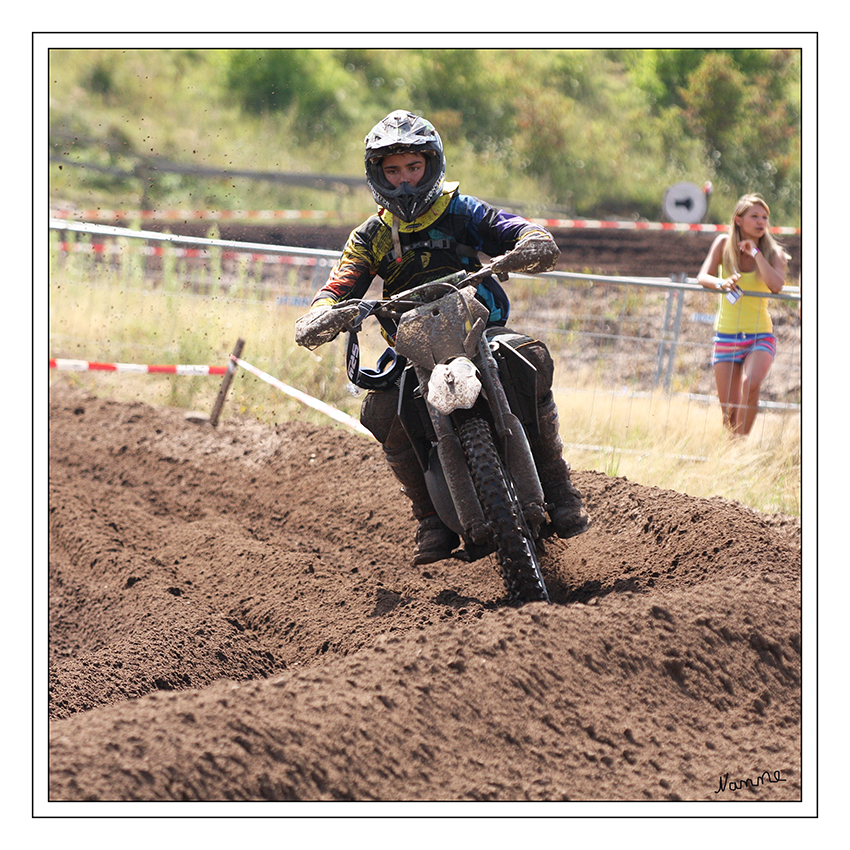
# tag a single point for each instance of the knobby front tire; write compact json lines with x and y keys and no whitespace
{"x":514,"y":547}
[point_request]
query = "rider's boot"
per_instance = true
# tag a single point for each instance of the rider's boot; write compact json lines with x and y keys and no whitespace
{"x":562,"y":499}
{"x":434,"y":540}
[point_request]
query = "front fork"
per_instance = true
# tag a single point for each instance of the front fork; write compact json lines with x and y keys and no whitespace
{"x":515,"y":450}
{"x":449,"y":470}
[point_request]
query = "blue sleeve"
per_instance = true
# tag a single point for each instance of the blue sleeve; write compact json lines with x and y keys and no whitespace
{"x":491,"y":230}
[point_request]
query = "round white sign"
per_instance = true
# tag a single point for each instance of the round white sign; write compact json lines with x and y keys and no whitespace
{"x":685,"y":202}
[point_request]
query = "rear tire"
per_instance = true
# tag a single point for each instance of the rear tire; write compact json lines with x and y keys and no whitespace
{"x":511,"y":538}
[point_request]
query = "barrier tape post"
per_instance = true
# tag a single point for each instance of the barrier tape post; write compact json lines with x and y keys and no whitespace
{"x":225,"y":382}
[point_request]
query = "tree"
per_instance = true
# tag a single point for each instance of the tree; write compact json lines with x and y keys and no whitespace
{"x":750,"y":124}
{"x":312,"y":82}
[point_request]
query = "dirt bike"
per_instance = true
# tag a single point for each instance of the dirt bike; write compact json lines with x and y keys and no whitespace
{"x":465,"y":403}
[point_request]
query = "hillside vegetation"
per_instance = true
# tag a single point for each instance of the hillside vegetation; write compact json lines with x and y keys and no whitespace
{"x":590,"y":133}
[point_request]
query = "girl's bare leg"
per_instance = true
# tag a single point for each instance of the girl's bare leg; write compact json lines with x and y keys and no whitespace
{"x":728,"y":378}
{"x":756,"y":367}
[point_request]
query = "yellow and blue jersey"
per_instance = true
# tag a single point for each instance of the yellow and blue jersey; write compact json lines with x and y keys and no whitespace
{"x":445,"y":239}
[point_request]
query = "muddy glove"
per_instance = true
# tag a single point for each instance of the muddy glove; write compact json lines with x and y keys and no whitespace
{"x":323,"y":323}
{"x":534,"y":254}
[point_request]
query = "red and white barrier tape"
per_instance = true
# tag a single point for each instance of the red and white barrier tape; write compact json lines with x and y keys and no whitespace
{"x":87,"y":365}
{"x":193,"y":215}
{"x":256,"y":248}
{"x":242,"y":215}
{"x":321,"y":406}
{"x":159,"y":251}
{"x":590,"y":224}
{"x":316,"y":404}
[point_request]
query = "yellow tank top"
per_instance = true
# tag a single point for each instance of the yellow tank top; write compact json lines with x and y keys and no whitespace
{"x":748,"y":315}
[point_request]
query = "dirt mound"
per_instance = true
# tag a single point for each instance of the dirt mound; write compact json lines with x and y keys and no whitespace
{"x":233,"y":616}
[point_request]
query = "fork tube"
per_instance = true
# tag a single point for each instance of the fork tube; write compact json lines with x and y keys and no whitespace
{"x":455,"y":469}
{"x":516,"y":452}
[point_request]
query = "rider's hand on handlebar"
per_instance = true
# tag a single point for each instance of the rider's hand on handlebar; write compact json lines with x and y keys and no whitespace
{"x":323,"y":323}
{"x":534,"y":254}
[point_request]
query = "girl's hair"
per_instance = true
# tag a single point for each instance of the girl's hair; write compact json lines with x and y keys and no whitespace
{"x":766,"y":244}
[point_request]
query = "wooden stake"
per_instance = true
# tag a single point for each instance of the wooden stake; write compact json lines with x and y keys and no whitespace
{"x":225,"y":383}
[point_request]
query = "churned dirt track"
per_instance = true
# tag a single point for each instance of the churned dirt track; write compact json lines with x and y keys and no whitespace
{"x":233,"y":617}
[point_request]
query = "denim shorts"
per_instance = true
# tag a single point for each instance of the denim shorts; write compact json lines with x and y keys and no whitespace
{"x":734,"y":348}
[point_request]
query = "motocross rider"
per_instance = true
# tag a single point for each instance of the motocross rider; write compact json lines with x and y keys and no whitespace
{"x":425,"y":229}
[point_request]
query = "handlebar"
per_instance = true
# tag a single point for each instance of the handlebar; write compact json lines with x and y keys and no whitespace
{"x":320,"y":326}
{"x":394,"y":307}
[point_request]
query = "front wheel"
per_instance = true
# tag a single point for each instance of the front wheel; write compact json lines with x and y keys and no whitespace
{"x":510,"y":535}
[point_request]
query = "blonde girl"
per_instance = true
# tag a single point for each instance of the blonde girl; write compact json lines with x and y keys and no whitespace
{"x":746,"y":259}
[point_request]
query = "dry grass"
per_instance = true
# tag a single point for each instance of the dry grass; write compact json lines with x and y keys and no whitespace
{"x":658,"y":439}
{"x":676,"y":443}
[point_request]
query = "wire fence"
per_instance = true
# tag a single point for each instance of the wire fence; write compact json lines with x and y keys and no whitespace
{"x":119,"y":294}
